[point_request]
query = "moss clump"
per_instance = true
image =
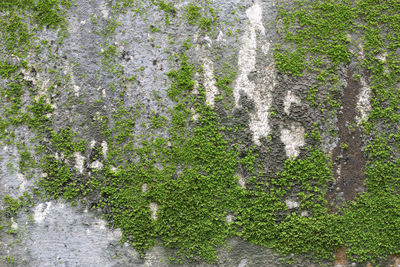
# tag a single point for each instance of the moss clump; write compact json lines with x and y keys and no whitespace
{"x":318,"y":29}
{"x":17,"y":36}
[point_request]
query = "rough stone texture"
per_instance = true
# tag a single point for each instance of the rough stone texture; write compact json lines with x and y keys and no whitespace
{"x":55,"y":233}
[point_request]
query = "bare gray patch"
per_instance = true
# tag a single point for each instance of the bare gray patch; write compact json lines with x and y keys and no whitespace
{"x":66,"y":236}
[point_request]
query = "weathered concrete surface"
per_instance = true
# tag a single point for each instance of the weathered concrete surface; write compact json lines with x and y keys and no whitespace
{"x":55,"y":233}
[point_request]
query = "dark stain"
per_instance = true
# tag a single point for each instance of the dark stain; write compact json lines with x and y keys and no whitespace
{"x":349,"y":160}
{"x":125,"y":55}
{"x":33,"y":71}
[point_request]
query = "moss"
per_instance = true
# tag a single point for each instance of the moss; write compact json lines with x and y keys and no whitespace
{"x":366,"y":225}
{"x":7,"y":69}
{"x":190,"y":174}
{"x":45,"y":13}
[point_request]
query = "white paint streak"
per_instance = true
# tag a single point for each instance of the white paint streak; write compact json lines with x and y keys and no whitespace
{"x":260,"y":93}
{"x":304,"y":213}
{"x":265,"y":47}
{"x":104,"y":11}
{"x":243,"y":263}
{"x":289,"y":99}
{"x":195,"y":116}
{"x":14,"y":225}
{"x":104,"y":148}
{"x":145,"y":187}
{"x":241,"y":180}
{"x":230,"y":218}
{"x":291,"y":204}
{"x":363,"y":103}
{"x":99,"y":224}
{"x":382,"y":57}
{"x":153,"y":207}
{"x":254,"y":13}
{"x":41,"y":211}
{"x":209,"y":81}
{"x":79,"y":160}
{"x":92,"y":144}
{"x":76,"y":89}
{"x":22,"y":185}
{"x":221,"y":37}
{"x":293,"y":139}
{"x":208,"y":39}
{"x":96,"y":165}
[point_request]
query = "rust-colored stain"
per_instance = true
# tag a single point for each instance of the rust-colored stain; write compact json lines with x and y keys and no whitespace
{"x":394,"y":260}
{"x":349,"y":162}
{"x":340,"y":257}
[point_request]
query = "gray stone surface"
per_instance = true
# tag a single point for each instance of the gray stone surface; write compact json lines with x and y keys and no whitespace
{"x":55,"y":233}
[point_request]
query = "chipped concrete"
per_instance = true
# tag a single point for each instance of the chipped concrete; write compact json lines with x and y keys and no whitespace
{"x":104,"y":10}
{"x":293,"y":138}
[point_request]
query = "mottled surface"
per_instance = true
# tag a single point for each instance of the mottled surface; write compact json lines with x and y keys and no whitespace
{"x":56,"y":233}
